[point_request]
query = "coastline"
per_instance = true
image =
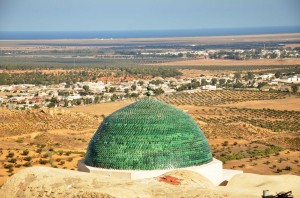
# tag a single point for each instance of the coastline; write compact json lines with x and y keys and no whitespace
{"x":202,"y":40}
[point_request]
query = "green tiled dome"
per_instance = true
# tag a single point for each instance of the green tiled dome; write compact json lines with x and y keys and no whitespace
{"x":148,"y":135}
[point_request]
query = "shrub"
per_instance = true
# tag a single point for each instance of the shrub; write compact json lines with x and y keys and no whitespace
{"x":68,"y":153}
{"x":267,"y":151}
{"x":60,"y":152}
{"x":25,"y":152}
{"x":46,"y":155}
{"x":10,"y":154}
{"x":28,"y":158}
{"x":8,"y":166}
{"x":18,"y":165}
{"x":225,"y":143}
{"x":41,"y":161}
{"x":12,"y":160}
{"x":39,"y":150}
{"x":27,"y":164}
{"x":62,"y":163}
{"x":233,"y":156}
{"x":20,"y":140}
{"x":288,"y":168}
{"x":267,"y":162}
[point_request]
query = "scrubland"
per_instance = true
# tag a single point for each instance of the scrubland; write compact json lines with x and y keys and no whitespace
{"x":253,"y":138}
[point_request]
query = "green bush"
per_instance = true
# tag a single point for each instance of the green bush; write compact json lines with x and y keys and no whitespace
{"x":225,"y":143}
{"x":8,"y":166}
{"x":25,"y":152}
{"x":28,"y":158}
{"x":288,"y":168}
{"x":18,"y":165}
{"x":27,"y":164}
{"x":10,"y":154}
{"x":41,"y":161}
{"x":46,"y":155}
{"x":20,"y":140}
{"x":12,"y":160}
{"x":267,"y":151}
{"x":39,"y":150}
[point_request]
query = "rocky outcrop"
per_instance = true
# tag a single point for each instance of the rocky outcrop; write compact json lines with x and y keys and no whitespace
{"x":49,"y":182}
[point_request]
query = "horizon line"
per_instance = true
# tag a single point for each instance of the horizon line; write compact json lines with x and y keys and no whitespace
{"x":171,"y":29}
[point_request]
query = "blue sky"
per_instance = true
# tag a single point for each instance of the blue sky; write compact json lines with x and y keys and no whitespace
{"x":88,"y":15}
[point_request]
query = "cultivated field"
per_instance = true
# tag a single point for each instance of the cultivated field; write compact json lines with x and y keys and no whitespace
{"x":289,"y":103}
{"x":208,"y":98}
{"x":211,"y":62}
{"x":254,"y":157}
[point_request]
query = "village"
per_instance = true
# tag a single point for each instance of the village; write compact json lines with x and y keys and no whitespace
{"x":27,"y":96}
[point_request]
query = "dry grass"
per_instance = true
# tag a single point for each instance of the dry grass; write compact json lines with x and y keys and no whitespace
{"x":14,"y":122}
{"x":103,"y":109}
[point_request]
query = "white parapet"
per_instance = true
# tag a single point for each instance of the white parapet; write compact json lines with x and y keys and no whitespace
{"x":212,"y":171}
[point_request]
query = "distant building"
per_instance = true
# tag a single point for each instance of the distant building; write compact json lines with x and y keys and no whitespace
{"x":209,"y":87}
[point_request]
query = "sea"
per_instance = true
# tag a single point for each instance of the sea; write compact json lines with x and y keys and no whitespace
{"x":41,"y":35}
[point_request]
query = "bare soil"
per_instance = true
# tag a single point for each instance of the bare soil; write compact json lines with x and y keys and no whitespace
{"x":103,"y":109}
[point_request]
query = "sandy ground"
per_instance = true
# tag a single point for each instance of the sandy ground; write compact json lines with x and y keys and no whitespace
{"x":210,"y":62}
{"x":289,"y":103}
{"x":7,"y":93}
{"x":268,"y":165}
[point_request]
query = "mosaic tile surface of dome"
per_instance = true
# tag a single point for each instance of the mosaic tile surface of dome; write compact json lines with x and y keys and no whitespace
{"x":148,"y":135}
